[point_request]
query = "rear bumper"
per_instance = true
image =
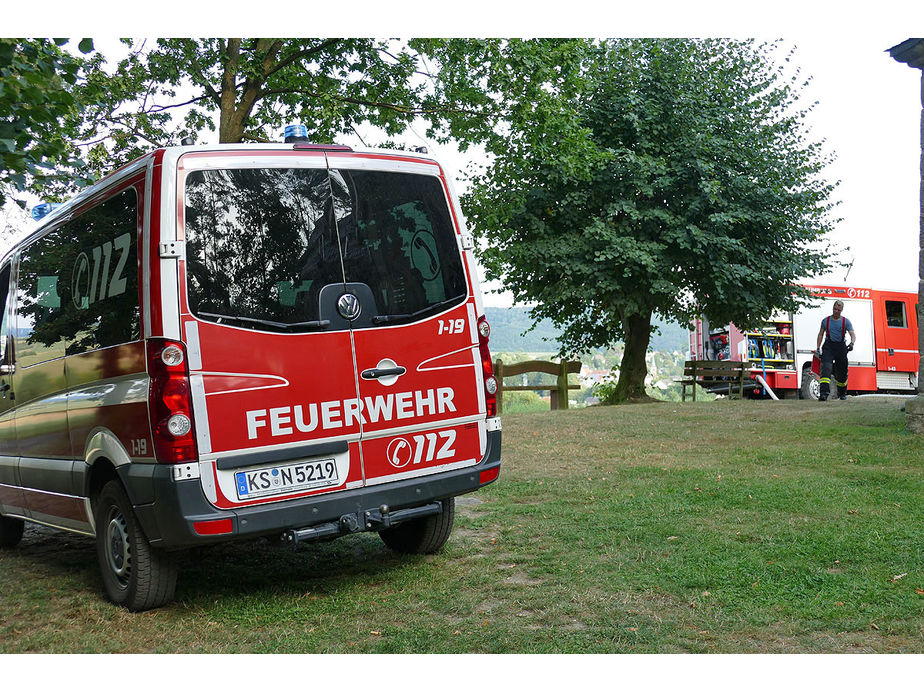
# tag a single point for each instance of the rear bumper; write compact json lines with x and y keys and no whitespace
{"x":168,"y":510}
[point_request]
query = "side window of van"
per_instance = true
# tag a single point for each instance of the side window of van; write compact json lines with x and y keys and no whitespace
{"x":101,"y":275}
{"x":4,"y":306}
{"x":78,"y":286}
{"x":397,"y":236}
{"x":39,"y":326}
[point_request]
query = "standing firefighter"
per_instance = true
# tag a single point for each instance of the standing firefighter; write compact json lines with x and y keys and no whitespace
{"x":833,"y":353}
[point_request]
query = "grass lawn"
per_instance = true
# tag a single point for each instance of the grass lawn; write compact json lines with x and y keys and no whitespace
{"x":701,"y":527}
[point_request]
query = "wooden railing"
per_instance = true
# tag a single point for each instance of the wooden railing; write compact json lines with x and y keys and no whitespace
{"x":558,"y":391}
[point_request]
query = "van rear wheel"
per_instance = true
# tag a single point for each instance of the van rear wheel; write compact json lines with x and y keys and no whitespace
{"x":423,"y":535}
{"x":10,"y":532}
{"x":135,"y":575}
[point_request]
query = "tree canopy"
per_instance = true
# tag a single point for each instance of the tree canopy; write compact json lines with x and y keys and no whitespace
{"x":684,"y":184}
{"x":96,"y":113}
{"x":246,"y":90}
{"x":37,"y":82}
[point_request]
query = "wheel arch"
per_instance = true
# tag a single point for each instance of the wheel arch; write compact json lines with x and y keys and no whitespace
{"x":105,"y":457}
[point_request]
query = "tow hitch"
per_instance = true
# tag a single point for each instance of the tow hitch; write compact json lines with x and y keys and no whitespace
{"x":362,"y":521}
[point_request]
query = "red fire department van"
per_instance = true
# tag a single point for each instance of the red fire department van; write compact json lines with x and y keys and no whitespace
{"x":884,"y":358}
{"x":240,"y":341}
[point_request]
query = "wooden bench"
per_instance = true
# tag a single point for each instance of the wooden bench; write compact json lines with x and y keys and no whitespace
{"x":714,"y":375}
{"x":558,"y":391}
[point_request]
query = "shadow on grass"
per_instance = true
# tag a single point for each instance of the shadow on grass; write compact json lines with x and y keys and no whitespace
{"x":233,"y":570}
{"x":241,"y":569}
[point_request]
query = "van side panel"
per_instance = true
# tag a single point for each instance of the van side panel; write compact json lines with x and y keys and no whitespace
{"x":10,"y":492}
{"x":79,"y":361}
{"x":41,"y":412}
{"x":66,"y":511}
{"x":108,"y":389}
{"x":39,"y":385}
{"x":11,"y":500}
{"x":49,"y":491}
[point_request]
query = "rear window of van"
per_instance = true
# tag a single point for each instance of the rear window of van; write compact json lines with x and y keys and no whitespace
{"x":262,"y":242}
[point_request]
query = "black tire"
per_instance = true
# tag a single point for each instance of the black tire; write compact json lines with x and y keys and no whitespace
{"x":423,"y":535}
{"x":10,"y":532}
{"x":811,"y":385}
{"x":135,"y":575}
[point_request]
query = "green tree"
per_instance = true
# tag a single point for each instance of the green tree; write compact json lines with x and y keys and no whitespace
{"x":680,"y":182}
{"x":37,"y":83}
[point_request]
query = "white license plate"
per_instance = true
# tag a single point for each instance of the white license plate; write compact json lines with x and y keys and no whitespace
{"x":272,"y":481}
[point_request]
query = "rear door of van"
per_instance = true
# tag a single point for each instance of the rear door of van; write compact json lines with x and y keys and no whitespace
{"x":321,"y":308}
{"x":420,"y":382}
{"x":273,"y":383}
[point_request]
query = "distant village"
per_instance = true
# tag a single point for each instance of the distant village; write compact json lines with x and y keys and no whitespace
{"x":665,"y":358}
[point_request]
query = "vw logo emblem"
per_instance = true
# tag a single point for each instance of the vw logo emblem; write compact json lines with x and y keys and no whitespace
{"x":348,"y":306}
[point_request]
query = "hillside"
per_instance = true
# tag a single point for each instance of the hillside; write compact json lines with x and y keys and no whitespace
{"x":508,"y":326}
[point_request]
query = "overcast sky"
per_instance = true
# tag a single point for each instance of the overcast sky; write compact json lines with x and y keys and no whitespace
{"x":869,"y":112}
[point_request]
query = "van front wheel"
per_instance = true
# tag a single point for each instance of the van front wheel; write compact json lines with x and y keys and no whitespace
{"x":10,"y":532}
{"x":423,"y":535}
{"x":135,"y":575}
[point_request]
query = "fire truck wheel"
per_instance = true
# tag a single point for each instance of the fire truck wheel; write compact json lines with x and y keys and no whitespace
{"x":423,"y":535}
{"x":811,"y":386}
{"x":10,"y":532}
{"x":135,"y":575}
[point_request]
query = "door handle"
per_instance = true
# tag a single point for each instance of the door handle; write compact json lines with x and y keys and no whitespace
{"x":374,"y":373}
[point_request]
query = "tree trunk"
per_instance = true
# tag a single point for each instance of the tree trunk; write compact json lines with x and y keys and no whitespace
{"x":633,"y":369}
{"x":237,"y":101}
{"x":228,"y":130}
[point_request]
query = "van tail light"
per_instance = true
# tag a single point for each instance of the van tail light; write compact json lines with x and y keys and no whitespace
{"x":170,"y":402}
{"x":487,"y":368}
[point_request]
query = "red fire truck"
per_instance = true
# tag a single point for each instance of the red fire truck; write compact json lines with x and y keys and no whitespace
{"x":884,"y":357}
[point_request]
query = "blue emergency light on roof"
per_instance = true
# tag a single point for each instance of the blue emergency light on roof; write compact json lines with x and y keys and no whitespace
{"x":44,"y":209}
{"x":296,"y":133}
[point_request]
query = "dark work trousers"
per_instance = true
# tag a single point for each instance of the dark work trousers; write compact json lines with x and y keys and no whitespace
{"x":833,"y":357}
